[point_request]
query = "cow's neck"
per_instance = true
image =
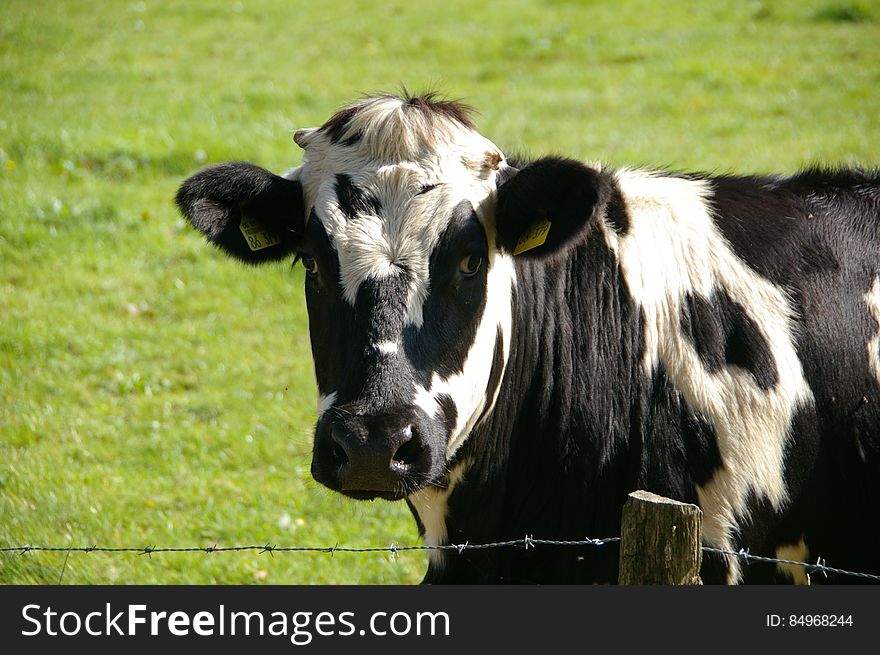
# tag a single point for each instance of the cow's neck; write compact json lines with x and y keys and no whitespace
{"x":540,"y":464}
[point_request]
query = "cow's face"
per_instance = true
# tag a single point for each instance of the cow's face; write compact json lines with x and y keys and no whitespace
{"x":408,"y":279}
{"x":408,"y":303}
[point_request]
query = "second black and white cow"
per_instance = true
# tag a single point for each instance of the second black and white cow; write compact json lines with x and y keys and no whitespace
{"x":512,"y":347}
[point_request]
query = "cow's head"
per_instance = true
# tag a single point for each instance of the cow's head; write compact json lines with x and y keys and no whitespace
{"x":406,"y":221}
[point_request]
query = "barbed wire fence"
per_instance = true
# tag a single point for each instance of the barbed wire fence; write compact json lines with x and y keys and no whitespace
{"x":527,"y":542}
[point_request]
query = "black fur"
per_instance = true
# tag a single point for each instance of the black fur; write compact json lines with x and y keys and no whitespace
{"x":723,"y":333}
{"x":352,"y":200}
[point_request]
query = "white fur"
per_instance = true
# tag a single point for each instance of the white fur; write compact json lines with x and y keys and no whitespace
{"x":426,"y":400}
{"x":674,"y":248}
{"x":431,"y":504}
{"x":796,"y":553}
{"x":325,"y":402}
{"x":873,"y":300}
{"x":386,"y":347}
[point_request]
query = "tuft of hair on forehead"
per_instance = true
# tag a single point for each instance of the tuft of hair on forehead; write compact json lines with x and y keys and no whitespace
{"x":389,"y":126}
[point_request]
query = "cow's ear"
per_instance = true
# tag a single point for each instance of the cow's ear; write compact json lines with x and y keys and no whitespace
{"x":250,"y":213}
{"x":548,"y":205}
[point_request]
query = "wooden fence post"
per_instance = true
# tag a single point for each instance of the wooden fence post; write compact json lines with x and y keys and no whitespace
{"x":660,"y":541}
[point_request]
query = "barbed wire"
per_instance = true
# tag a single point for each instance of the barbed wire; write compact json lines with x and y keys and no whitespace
{"x":526,"y":542}
{"x":818,"y":567}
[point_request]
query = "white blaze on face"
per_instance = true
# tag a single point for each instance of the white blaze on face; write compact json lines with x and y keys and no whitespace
{"x":872,"y":298}
{"x":674,"y":248}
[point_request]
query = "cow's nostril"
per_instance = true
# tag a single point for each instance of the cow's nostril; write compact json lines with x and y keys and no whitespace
{"x":407,"y":453}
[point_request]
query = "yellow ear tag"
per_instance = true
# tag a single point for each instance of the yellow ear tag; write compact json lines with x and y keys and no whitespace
{"x":256,"y":235}
{"x":534,"y":237}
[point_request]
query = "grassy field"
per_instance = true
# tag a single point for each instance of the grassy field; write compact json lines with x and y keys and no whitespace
{"x":153,"y":392}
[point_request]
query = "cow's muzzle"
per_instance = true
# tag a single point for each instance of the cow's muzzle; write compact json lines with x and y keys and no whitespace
{"x":376,"y":456}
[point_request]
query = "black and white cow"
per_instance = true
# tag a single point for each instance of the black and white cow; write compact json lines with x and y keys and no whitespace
{"x":715,"y":339}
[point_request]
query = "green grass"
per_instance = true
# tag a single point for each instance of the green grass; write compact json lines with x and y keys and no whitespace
{"x":154,"y":393}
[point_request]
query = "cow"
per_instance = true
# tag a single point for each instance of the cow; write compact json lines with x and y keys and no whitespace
{"x":511,"y":346}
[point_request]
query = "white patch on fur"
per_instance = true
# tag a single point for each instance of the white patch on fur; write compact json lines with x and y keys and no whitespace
{"x":796,"y":553}
{"x":431,"y":505}
{"x":386,"y":347}
{"x":325,"y":402}
{"x":873,"y":300}
{"x":426,"y":401}
{"x":674,"y":248}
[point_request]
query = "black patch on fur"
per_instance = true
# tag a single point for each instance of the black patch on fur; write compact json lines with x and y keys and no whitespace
{"x":506,"y":173}
{"x":337,"y":125}
{"x":760,"y":222}
{"x":217,"y":198}
{"x":433,"y":104}
{"x":616,"y":211}
{"x":455,"y":303}
{"x":449,"y":412}
{"x":701,"y":446}
{"x":722,"y":332}
{"x":419,"y":525}
{"x":426,"y":188}
{"x":352,"y":200}
{"x":700,"y":320}
{"x":681,"y":446}
{"x":380,"y":308}
{"x":835,"y":183}
{"x":333,"y":342}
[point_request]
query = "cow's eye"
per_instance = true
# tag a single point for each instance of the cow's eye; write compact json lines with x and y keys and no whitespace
{"x":470,"y":265}
{"x":310,"y":265}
